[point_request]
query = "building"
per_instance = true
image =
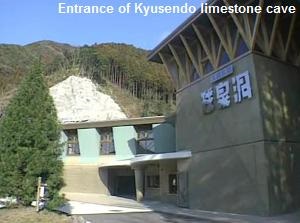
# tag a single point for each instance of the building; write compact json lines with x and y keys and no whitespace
{"x":238,"y":112}
{"x":131,"y":157}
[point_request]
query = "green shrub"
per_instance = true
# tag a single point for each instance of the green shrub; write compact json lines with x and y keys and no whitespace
{"x":30,"y":142}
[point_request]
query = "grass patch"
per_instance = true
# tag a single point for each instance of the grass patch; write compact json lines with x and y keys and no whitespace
{"x":29,"y":215}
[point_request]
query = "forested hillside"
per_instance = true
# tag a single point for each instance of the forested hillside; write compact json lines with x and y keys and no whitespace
{"x":119,"y":69}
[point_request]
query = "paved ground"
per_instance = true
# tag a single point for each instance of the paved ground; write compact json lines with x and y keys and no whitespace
{"x":97,"y":204}
{"x":81,"y":208}
{"x":141,"y":218}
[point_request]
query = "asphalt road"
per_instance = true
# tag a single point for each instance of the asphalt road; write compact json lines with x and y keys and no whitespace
{"x":149,"y":217}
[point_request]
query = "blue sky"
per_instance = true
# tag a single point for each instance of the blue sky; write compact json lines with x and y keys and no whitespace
{"x":26,"y":21}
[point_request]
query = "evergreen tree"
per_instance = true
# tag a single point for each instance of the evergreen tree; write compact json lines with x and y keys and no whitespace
{"x":29,"y":142}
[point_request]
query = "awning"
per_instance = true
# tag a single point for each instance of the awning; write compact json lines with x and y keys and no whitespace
{"x":116,"y":163}
{"x":158,"y":157}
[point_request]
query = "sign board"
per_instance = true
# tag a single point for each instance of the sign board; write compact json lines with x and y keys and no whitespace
{"x":221,"y":74}
{"x":219,"y":95}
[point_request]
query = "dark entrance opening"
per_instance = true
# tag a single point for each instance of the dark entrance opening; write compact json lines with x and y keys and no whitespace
{"x":121,"y":182}
{"x":125,"y":186}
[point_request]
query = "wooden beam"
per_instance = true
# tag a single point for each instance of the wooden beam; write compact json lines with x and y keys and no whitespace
{"x":220,"y":35}
{"x":229,"y":37}
{"x":236,"y":42}
{"x":213,"y":49}
{"x":190,"y":53}
{"x":179,"y":63}
{"x":291,"y":32}
{"x":204,"y":45}
{"x":273,"y":34}
{"x":239,"y":26}
{"x":200,"y":56}
{"x":280,"y":45}
{"x":175,"y":77}
{"x":265,"y":36}
{"x":247,"y":26}
{"x":256,"y":26}
{"x":219,"y":54}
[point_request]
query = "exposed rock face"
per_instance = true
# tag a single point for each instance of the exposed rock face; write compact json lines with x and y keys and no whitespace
{"x":77,"y":100}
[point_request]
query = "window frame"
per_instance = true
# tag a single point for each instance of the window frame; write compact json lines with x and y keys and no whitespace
{"x":170,"y":191}
{"x":145,"y":135}
{"x":109,"y":140}
{"x":72,"y":142}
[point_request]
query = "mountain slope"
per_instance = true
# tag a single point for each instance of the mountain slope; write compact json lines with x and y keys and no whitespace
{"x":123,"y":67}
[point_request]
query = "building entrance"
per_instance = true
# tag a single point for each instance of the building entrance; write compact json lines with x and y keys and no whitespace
{"x":121,"y":182}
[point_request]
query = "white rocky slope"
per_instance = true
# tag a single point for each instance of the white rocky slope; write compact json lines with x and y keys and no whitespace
{"x":77,"y":100}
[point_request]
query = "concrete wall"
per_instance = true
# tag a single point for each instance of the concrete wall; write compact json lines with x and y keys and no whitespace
{"x":163,"y":169}
{"x":125,"y":143}
{"x":280,"y":92}
{"x":227,"y":171}
{"x":151,"y":193}
{"x":164,"y":138}
{"x":230,"y":180}
{"x":84,"y":179}
{"x":245,"y":157}
{"x":89,"y":144}
{"x":166,"y":168}
{"x":238,"y":124}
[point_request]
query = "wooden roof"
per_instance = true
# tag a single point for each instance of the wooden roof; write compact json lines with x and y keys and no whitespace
{"x":205,"y":42}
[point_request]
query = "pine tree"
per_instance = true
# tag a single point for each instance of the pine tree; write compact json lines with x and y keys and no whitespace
{"x":30,"y":142}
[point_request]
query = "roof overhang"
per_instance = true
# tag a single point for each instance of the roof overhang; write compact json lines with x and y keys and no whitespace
{"x":113,"y":123}
{"x":153,"y":56}
{"x":148,"y":158}
{"x":116,"y":163}
{"x":282,"y":33}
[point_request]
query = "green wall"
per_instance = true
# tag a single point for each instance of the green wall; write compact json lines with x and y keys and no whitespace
{"x":125,"y":142}
{"x":164,"y":138}
{"x":89,"y":144}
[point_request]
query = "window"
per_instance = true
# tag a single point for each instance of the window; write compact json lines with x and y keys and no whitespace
{"x":208,"y":67}
{"x":145,"y":139}
{"x":153,"y":181}
{"x":73,"y":144}
{"x":107,"y":141}
{"x":242,"y":48}
{"x":194,"y":75}
{"x":224,"y":58}
{"x":144,"y":131}
{"x":173,"y":184}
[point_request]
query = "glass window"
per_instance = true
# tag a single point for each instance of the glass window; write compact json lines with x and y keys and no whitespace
{"x":242,"y":48}
{"x":173,"y":184}
{"x":224,"y":58}
{"x":73,"y":144}
{"x":208,"y":67}
{"x":145,"y":139}
{"x":107,"y":141}
{"x":153,"y":181}
{"x":194,"y":75}
{"x":144,"y":131}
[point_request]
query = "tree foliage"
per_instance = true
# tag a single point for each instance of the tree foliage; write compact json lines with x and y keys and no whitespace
{"x":30,"y":142}
{"x":120,"y":64}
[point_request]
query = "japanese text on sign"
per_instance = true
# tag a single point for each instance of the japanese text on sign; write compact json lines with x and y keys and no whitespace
{"x":241,"y":88}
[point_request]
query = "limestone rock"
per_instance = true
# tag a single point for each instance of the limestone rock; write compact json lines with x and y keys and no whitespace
{"x":78,"y":100}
